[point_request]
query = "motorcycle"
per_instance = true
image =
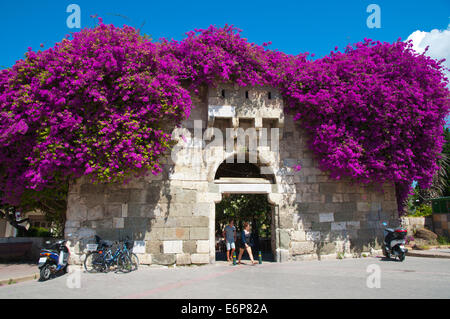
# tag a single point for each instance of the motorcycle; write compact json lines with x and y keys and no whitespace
{"x":53,"y":260}
{"x":394,"y":243}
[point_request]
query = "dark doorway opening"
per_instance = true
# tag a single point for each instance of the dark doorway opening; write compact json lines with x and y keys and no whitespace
{"x":254,"y":209}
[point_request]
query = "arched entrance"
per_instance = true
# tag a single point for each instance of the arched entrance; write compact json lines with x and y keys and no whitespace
{"x":245,"y":196}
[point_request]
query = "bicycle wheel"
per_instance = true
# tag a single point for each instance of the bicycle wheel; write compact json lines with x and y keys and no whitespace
{"x":124,"y":263}
{"x":134,"y":261}
{"x":94,"y":262}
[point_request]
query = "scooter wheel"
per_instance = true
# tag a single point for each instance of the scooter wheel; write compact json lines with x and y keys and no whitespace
{"x":401,"y":257}
{"x":45,"y":273}
{"x":386,"y":253}
{"x":65,"y":269}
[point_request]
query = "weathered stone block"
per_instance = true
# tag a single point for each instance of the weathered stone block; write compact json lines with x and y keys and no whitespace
{"x":199,"y":233}
{"x":203,"y":209}
{"x":344,"y":216}
{"x":337,"y":198}
{"x":138,"y":225}
{"x":95,"y":213}
{"x":338,"y":226}
{"x":298,"y":235}
{"x":285,"y":239}
{"x":185,"y":196}
{"x":303,"y":207}
{"x":326,"y":217}
{"x":173,"y":247}
{"x":311,"y":179}
{"x":202,"y":246}
{"x":286,"y":221}
{"x":349,"y":207}
{"x":176,"y":233}
{"x":310,"y":198}
{"x":373,"y":216}
{"x":322,"y":227}
{"x":353,"y":225}
{"x":164,"y":259}
{"x":300,"y":248}
{"x":137,"y":196}
{"x":328,"y":188}
{"x":119,"y":196}
{"x":190,"y":246}
{"x":363,"y":206}
{"x":118,"y":222}
{"x":326,"y":248}
{"x":200,"y":258}
{"x":153,"y":247}
{"x":144,"y":259}
{"x":389,"y":205}
{"x":182,"y":233}
{"x":176,"y":210}
{"x":375,"y":206}
{"x":164,"y":222}
{"x":141,"y":210}
{"x":194,"y":221}
{"x":152,"y":194}
{"x":113,"y":210}
{"x":313,"y":217}
{"x":102,"y":223}
{"x":89,"y":188}
{"x":183,"y":259}
{"x":72,"y":224}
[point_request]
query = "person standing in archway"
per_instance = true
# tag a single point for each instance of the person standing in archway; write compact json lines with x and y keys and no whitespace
{"x":230,"y":237}
{"x":246,"y":244}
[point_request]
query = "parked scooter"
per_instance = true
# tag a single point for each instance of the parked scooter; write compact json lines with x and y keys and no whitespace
{"x":53,"y":260}
{"x":394,"y":243}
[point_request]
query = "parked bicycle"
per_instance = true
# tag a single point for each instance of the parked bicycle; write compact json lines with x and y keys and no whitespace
{"x":103,"y":258}
{"x":128,"y":250}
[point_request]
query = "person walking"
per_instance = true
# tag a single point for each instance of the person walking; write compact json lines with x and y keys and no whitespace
{"x":245,"y":243}
{"x":230,"y":237}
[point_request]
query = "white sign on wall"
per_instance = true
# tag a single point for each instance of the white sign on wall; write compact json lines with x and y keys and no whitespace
{"x":139,"y":247}
{"x":221,"y":111}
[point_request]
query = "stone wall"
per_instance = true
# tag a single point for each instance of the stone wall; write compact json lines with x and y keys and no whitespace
{"x":174,"y":213}
{"x":411,"y":224}
{"x":320,"y":216}
{"x":441,"y":224}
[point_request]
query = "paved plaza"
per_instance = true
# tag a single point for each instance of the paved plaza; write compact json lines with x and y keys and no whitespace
{"x":348,"y":278}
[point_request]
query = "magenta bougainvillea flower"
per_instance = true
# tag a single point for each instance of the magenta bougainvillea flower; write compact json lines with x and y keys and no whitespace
{"x":104,"y":103}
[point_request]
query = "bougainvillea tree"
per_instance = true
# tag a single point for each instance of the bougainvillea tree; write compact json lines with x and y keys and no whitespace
{"x":96,"y":105}
{"x":375,"y":113}
{"x":103,"y":104}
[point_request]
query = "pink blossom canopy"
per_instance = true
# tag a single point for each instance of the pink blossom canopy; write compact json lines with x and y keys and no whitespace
{"x":105,"y":102}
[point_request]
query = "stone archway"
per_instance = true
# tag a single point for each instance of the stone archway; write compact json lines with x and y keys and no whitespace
{"x":244,"y":185}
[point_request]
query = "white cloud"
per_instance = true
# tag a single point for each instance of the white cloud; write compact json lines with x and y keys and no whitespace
{"x":438,"y":42}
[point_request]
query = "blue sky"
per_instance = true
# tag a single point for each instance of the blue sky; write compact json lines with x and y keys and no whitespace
{"x":292,"y":26}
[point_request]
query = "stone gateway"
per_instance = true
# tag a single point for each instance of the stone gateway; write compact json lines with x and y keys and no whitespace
{"x":172,"y":215}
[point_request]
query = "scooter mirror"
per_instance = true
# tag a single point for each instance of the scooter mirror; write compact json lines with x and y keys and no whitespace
{"x":48,"y":242}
